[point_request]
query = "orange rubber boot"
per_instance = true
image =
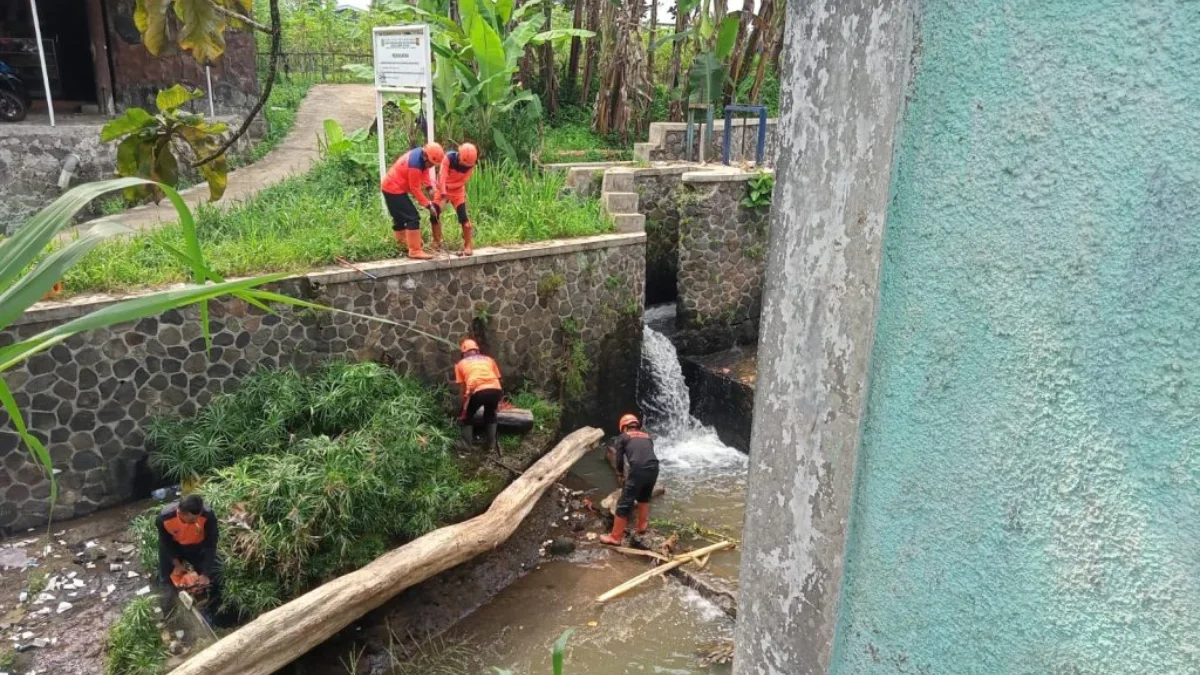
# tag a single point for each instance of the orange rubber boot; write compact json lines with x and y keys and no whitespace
{"x":618,"y":532}
{"x":414,"y":246}
{"x":401,"y":241}
{"x":643,"y":517}
{"x":468,"y":249}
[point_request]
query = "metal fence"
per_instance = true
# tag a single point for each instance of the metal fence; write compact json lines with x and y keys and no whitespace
{"x":322,"y":66}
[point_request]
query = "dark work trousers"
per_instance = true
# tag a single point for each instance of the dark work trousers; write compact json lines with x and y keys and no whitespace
{"x":488,"y":399}
{"x":403,"y":211}
{"x":194,"y":556}
{"x":639,"y":487}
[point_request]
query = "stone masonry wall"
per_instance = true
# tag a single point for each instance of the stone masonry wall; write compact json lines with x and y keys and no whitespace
{"x":722,"y":252}
{"x":659,"y":190}
{"x":88,"y":398}
{"x":668,"y":141}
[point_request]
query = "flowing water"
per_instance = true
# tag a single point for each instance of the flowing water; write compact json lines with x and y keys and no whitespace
{"x":661,"y":626}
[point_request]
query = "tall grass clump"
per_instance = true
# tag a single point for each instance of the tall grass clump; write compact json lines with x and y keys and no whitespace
{"x":133,"y":645}
{"x":313,"y":476}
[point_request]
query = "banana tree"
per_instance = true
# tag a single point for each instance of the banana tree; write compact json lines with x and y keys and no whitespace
{"x":31,"y":264}
{"x":477,"y":59}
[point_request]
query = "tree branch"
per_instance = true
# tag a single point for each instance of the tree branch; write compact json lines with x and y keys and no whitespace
{"x":221,"y":9}
{"x":276,"y":46}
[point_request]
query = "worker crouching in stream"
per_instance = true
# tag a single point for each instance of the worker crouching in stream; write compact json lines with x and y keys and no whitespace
{"x":479,"y":378}
{"x":187,"y":535}
{"x":637,"y":471}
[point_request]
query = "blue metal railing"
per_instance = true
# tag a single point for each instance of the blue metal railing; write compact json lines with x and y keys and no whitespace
{"x":761,"y":152}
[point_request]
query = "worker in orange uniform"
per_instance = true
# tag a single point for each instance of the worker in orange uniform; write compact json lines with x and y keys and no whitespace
{"x":456,"y":170}
{"x":187,"y":535}
{"x":407,"y":178}
{"x":479,"y":378}
{"x":636,"y":448}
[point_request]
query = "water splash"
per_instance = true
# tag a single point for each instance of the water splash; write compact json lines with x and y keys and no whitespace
{"x":683,"y":443}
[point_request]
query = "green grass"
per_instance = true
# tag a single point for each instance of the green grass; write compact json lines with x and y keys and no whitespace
{"x":306,"y":221}
{"x":134,"y":646}
{"x":575,"y":141}
{"x":327,"y":471}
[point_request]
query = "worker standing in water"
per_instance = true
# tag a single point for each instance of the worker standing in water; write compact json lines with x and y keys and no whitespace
{"x":635,"y":448}
{"x":406,"y":183}
{"x":187,"y":535}
{"x":479,"y":377}
{"x":456,"y":170}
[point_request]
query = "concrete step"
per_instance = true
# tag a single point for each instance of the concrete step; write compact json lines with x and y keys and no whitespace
{"x":619,"y":180}
{"x":630,"y":222}
{"x":584,"y":181}
{"x":641,"y":151}
{"x":620,"y":202}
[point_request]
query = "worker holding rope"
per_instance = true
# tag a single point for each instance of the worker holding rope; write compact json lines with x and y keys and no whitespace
{"x":637,"y":448}
{"x":408,"y":178}
{"x":456,"y":170}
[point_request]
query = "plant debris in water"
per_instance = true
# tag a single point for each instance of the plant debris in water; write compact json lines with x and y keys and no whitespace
{"x":134,"y":645}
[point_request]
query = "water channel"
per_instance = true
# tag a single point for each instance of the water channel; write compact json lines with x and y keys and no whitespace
{"x":662,"y":626}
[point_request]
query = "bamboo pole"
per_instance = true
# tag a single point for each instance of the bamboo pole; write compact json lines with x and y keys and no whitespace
{"x":662,"y":569}
{"x":278,"y":637}
{"x":641,"y":552}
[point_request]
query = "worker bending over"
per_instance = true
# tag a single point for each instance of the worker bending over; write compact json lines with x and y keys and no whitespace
{"x":187,"y":535}
{"x":479,"y":378}
{"x":456,"y":170}
{"x":636,"y":448}
{"x":407,"y":179}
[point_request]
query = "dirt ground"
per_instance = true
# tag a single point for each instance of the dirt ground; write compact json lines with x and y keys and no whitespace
{"x":58,"y":599}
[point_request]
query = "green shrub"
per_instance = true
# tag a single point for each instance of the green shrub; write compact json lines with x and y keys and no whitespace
{"x":322,"y":474}
{"x":134,"y":646}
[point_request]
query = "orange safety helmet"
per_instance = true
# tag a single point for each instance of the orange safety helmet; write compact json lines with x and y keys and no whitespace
{"x":627,"y":421}
{"x":468,"y":154}
{"x":468,"y":345}
{"x":434,"y":153}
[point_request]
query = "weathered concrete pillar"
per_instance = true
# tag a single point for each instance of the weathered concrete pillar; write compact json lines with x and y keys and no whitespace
{"x":845,"y":73}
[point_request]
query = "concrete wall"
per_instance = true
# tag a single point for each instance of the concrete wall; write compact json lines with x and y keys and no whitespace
{"x":722,"y":263}
{"x":668,"y":142}
{"x":1027,"y":492}
{"x":31,"y":160}
{"x":89,"y":397}
{"x":844,"y":75}
{"x":659,"y":200}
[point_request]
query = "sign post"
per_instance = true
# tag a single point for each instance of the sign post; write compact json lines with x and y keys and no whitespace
{"x":403,"y":65}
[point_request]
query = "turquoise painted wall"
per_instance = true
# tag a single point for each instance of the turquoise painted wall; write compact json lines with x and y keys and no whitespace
{"x":1028,"y":488}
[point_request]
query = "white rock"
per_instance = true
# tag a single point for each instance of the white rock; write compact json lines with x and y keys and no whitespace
{"x":23,"y":596}
{"x":125,"y":549}
{"x":144,"y":590}
{"x":91,"y":544}
{"x":72,"y":575}
{"x":131,"y":575}
{"x":110,"y":588}
{"x":41,"y":643}
{"x":90,"y":566}
{"x":115,"y":567}
{"x":27,"y":635}
{"x":179,"y":634}
{"x":62,"y":607}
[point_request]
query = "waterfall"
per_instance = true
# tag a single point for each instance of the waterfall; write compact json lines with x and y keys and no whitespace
{"x":682,"y":441}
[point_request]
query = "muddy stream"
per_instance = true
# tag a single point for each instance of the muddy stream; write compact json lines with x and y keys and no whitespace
{"x":660,"y":627}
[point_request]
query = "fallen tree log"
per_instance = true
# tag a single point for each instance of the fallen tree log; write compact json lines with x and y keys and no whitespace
{"x":278,"y":637}
{"x":509,"y":421}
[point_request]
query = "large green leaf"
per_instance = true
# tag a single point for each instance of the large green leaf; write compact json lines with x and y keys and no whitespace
{"x":468,"y":10}
{"x":166,"y":168}
{"x":203,"y":30}
{"x":527,"y":9}
{"x":560,"y":646}
{"x":687,"y":6}
{"x":705,"y":78}
{"x":169,"y":100}
{"x":18,"y":251}
{"x":504,"y":11}
{"x":150,"y":17}
{"x":133,"y":120}
{"x":562,"y":33}
{"x":523,"y":34}
{"x":490,"y":58}
{"x":727,"y":36}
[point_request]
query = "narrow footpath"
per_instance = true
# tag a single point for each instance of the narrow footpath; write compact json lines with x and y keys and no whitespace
{"x":352,"y":105}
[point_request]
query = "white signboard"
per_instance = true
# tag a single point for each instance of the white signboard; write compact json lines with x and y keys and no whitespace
{"x":402,"y":58}
{"x":403,"y":65}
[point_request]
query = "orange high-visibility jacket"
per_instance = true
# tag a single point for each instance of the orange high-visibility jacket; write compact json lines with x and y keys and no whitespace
{"x":476,"y":373}
{"x":453,"y":177}
{"x":408,"y":175}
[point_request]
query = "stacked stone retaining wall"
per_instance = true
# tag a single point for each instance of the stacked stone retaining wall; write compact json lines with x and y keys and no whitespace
{"x":89,"y":398}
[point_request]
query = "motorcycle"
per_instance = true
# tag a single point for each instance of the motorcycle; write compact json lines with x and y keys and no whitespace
{"x":14,"y":95}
